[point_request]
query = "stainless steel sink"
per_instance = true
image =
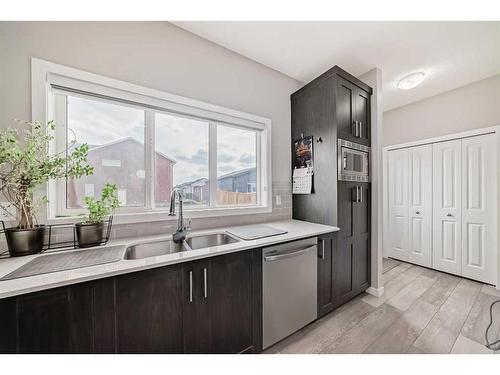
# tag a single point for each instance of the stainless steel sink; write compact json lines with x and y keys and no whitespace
{"x":152,"y":249}
{"x":209,"y":240}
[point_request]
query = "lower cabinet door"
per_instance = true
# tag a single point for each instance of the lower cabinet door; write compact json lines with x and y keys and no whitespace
{"x":344,"y":287}
{"x":361,"y":264}
{"x":149,"y":311}
{"x":352,"y":256}
{"x":8,"y":325}
{"x":196,"y":313}
{"x":230,"y":299}
{"x":326,"y":272}
{"x":56,"y":321}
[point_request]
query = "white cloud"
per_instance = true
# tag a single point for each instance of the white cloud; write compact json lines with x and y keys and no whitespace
{"x":182,"y":139}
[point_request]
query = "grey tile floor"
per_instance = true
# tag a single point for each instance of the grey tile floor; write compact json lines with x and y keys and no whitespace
{"x":421,"y":311}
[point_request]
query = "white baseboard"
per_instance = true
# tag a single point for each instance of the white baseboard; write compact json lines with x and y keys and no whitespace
{"x":375,"y":292}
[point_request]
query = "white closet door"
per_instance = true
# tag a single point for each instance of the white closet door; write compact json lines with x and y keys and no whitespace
{"x":479,"y":201}
{"x":398,"y":204}
{"x":447,"y":203}
{"x":420,"y":205}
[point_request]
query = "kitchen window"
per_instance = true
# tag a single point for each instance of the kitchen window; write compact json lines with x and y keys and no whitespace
{"x":147,"y":146}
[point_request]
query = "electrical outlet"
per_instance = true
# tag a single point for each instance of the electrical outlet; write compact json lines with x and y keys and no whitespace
{"x":278,"y":200}
{"x":7,"y":211}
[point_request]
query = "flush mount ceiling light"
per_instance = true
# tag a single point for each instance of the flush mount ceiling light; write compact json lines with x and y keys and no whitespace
{"x":411,"y":80}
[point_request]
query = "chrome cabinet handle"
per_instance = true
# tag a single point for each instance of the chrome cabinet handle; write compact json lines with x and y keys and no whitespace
{"x":190,"y":286}
{"x":205,"y":291}
{"x":360,"y":194}
{"x":360,"y":130}
{"x":355,"y":125}
{"x":322,"y":256}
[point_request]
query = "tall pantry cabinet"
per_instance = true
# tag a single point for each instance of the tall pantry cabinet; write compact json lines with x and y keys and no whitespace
{"x":442,"y":205}
{"x":336,"y":105}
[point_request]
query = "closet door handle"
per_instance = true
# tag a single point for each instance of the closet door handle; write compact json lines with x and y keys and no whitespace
{"x":190,"y":286}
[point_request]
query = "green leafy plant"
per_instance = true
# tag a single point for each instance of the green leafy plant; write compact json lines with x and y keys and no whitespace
{"x":25,"y":164}
{"x":99,"y":209}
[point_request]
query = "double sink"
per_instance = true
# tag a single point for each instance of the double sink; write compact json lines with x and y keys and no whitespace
{"x":194,"y":242}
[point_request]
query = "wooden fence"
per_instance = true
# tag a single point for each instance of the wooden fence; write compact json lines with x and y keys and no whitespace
{"x":235,"y":198}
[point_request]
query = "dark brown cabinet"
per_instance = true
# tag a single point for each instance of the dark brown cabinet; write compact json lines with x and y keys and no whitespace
{"x":196,"y":309}
{"x":313,"y":114}
{"x":211,"y":305}
{"x":56,"y":321}
{"x":149,"y":311}
{"x":363,"y":116}
{"x":230,"y":302}
{"x":346,"y":109}
{"x":336,"y":105}
{"x":326,"y":273}
{"x":352,"y":258}
{"x":353,"y":112}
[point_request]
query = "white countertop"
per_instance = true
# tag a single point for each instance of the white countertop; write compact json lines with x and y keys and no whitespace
{"x":295,"y":230}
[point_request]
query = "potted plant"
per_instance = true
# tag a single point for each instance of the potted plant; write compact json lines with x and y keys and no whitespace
{"x":91,"y":231}
{"x":25,"y":164}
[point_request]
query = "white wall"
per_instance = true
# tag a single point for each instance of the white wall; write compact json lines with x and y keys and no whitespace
{"x":373,"y":78}
{"x":152,"y":54}
{"x":469,"y":107}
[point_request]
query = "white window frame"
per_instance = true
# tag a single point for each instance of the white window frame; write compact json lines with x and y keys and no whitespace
{"x":45,"y":76}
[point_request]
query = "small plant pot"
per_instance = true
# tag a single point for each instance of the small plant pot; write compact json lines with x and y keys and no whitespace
{"x":89,"y":235}
{"x":25,"y":241}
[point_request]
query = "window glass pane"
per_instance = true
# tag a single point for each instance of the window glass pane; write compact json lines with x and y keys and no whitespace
{"x":181,"y":146}
{"x":236,"y":166}
{"x":115,"y":135}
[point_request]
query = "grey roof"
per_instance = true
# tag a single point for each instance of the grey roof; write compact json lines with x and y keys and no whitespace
{"x":121,"y":140}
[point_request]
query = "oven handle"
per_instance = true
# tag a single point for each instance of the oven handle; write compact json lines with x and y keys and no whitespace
{"x":290,"y":254}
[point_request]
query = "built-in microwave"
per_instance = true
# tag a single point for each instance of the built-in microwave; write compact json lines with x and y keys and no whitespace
{"x":353,"y":161}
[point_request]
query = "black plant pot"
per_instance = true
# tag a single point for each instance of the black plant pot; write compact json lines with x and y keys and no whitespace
{"x":89,"y":234}
{"x":25,"y":241}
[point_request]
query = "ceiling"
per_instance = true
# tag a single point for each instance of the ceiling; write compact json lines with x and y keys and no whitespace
{"x":452,"y":54}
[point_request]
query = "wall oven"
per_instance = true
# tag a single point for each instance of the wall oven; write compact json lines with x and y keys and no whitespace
{"x":353,"y":161}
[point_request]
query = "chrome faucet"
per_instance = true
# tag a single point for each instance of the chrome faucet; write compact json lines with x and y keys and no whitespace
{"x":182,"y":230}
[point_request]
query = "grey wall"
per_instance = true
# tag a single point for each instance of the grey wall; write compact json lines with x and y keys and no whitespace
{"x":157,"y":55}
{"x":469,"y":107}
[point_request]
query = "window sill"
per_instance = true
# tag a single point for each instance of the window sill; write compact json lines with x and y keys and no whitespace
{"x":162,"y":215}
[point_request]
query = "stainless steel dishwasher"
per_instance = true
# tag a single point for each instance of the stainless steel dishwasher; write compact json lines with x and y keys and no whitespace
{"x":290,"y":274}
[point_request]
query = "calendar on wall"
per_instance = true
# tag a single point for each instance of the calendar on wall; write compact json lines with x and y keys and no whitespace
{"x":303,"y":165}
